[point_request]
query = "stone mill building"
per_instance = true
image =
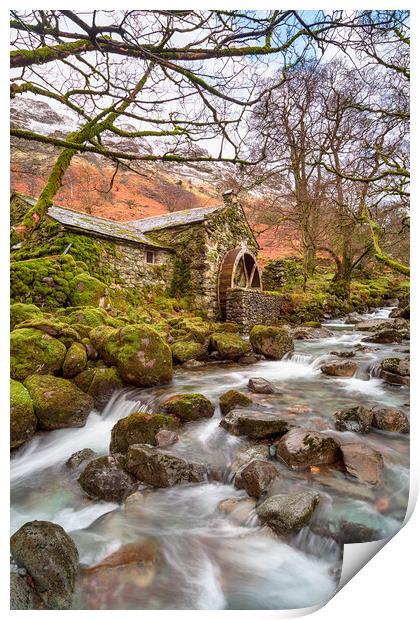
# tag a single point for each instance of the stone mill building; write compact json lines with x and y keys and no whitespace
{"x":202,"y":252}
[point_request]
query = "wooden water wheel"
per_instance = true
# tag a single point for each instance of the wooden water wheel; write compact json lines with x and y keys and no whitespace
{"x":239,"y":269}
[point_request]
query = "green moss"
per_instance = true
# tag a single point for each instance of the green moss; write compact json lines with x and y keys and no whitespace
{"x":86,"y":290}
{"x":75,"y":360}
{"x":104,"y":383}
{"x":32,"y":351}
{"x":233,"y":399}
{"x":139,"y":428}
{"x":273,"y":342}
{"x":57,"y":402}
{"x":22,"y":417}
{"x":229,"y":346}
{"x":188,"y":407}
{"x":20,"y":312}
{"x":183,"y":351}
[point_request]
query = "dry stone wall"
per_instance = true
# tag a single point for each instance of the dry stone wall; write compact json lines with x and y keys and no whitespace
{"x":249,"y":307}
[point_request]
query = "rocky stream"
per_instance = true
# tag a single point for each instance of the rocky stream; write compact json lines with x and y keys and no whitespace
{"x":213,"y":543}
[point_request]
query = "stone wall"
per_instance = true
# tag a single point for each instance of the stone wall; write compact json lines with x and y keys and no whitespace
{"x":250,"y":307}
{"x":130,"y":269}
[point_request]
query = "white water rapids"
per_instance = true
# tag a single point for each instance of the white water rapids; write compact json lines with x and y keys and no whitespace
{"x":207,"y":560}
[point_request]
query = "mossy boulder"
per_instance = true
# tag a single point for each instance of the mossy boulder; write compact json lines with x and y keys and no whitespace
{"x":22,"y":417}
{"x":75,"y":360}
{"x":159,"y":469}
{"x":233,"y":400}
{"x":84,"y":379}
{"x":140,"y":354}
{"x":355,"y":419}
{"x":93,"y":317}
{"x":188,"y":407}
{"x":229,"y":346}
{"x":139,"y":427}
{"x":183,"y":351}
{"x":272,"y":342}
{"x":20,"y":312}
{"x":53,"y":327}
{"x":105,"y":381}
{"x":33,"y":351}
{"x":254,"y":423}
{"x":85,"y":290}
{"x":58,"y":403}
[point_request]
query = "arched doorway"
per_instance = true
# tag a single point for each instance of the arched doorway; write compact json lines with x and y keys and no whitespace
{"x":239,"y":269}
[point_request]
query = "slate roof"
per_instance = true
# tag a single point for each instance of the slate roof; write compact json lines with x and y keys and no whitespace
{"x":177,"y":218}
{"x":101,"y":226}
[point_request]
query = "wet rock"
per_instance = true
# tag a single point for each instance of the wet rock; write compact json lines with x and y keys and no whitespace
{"x":50,"y":557}
{"x":385,"y":336}
{"x":254,"y":423}
{"x":288,"y":513}
{"x":255,"y":477}
{"x":23,"y":421}
{"x":390,"y":419}
{"x":165,"y":438}
{"x":346,"y":532}
{"x":103,"y":478}
{"x":84,"y":379}
{"x":356,"y":419}
{"x":260,"y":452}
{"x":374,"y":325}
{"x":58,"y":403}
{"x":352,"y":318}
{"x":188,"y":407}
{"x":139,"y":427}
{"x":33,"y":351}
{"x":301,"y":447}
{"x":310,"y":333}
{"x":82,"y":456}
{"x":395,"y":370}
{"x":232,"y":400}
{"x":272,"y":342}
{"x":139,"y":353}
{"x":345,"y":354}
{"x":401,"y":313}
{"x":229,"y":346}
{"x":75,"y":360}
{"x":105,"y":382}
{"x":22,"y":595}
{"x":363,"y":463}
{"x":247,"y":360}
{"x":160,"y":469}
{"x":240,"y":511}
{"x":339,"y":369}
{"x":139,"y":552}
{"x":193,"y":364}
{"x":345,"y":487}
{"x":258,"y":385}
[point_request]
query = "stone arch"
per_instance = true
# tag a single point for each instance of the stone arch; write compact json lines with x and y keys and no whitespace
{"x":239,"y":269}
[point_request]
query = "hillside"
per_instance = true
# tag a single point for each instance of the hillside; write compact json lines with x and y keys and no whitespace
{"x":153,"y":189}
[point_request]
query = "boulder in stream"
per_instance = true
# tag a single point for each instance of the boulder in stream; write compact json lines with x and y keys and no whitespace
{"x":104,"y":478}
{"x":272,"y":342}
{"x":229,"y":346}
{"x":22,"y":595}
{"x":58,"y":403}
{"x":339,"y":369}
{"x":362,"y":462}
{"x":159,"y":469}
{"x":302,"y":447}
{"x":232,"y":400}
{"x":390,"y":419}
{"x":356,"y":419}
{"x":187,"y":407}
{"x":254,"y":423}
{"x":395,"y":370}
{"x":50,"y":556}
{"x":310,"y":333}
{"x":75,"y":360}
{"x":286,"y":514}
{"x":255,"y":477}
{"x":82,"y":456}
{"x":139,"y":427}
{"x":239,"y":510}
{"x":385,"y":336}
{"x":105,"y":382}
{"x":258,"y":385}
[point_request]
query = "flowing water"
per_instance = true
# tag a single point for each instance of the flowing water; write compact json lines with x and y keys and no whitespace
{"x":208,"y":560}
